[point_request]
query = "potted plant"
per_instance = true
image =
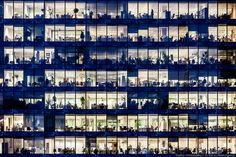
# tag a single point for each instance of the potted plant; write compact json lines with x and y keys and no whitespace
{"x":50,"y":12}
{"x":76,"y":10}
{"x":82,"y":99}
{"x":137,"y":124}
{"x":165,"y":57}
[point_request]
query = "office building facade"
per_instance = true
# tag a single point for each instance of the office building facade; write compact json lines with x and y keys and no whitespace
{"x":118,"y":77}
